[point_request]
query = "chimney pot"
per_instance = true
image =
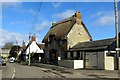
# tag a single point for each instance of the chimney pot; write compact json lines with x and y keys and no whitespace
{"x":78,"y":15}
{"x":33,"y":38}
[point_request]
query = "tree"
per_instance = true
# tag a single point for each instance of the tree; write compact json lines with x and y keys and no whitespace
{"x":14,"y":50}
{"x":8,"y":45}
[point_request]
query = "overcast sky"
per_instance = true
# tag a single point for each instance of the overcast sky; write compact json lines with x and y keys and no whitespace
{"x":18,"y":18}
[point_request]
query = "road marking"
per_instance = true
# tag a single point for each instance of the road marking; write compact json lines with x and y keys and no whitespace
{"x":13,"y":73}
{"x":14,"y":70}
{"x":13,"y":76}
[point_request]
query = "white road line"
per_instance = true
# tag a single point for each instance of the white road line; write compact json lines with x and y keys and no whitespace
{"x":13,"y":76}
{"x":13,"y":73}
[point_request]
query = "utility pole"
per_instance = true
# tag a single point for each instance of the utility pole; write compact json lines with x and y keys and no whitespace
{"x":29,"y":49}
{"x":117,"y":35}
{"x":17,"y":48}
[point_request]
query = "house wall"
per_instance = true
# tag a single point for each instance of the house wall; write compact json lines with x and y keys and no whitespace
{"x":34,"y":48}
{"x":76,"y":35}
{"x":58,"y":45}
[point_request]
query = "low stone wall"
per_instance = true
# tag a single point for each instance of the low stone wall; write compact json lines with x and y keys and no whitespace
{"x":75,"y":64}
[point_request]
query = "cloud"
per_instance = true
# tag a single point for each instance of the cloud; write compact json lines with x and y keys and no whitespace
{"x":43,"y":25}
{"x":11,"y":4}
{"x":10,"y":0}
{"x":22,"y":23}
{"x":64,"y":15}
{"x":17,"y":7}
{"x":31,"y":11}
{"x":56,"y":4}
{"x":10,"y":37}
{"x":104,"y":18}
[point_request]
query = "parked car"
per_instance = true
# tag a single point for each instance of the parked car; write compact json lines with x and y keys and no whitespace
{"x":11,"y":60}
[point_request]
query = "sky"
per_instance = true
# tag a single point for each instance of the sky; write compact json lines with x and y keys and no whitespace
{"x":21,"y":18}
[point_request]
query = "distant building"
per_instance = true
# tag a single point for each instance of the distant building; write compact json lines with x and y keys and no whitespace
{"x":4,"y":52}
{"x":36,"y":50}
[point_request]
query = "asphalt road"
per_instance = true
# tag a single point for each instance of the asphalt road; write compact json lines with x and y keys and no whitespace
{"x":15,"y":70}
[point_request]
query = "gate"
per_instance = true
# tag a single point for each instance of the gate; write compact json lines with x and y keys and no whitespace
{"x":91,"y":60}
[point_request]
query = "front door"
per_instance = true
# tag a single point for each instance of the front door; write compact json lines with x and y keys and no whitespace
{"x":53,"y":56}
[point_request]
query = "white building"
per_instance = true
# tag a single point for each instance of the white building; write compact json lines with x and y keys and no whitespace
{"x":35,"y":49}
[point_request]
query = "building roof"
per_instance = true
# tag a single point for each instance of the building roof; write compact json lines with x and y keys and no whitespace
{"x":42,"y":46}
{"x":62,"y":28}
{"x":5,"y":51}
{"x":93,"y":45}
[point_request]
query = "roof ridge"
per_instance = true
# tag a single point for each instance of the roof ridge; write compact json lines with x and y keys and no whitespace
{"x":102,"y":39}
{"x":62,"y":21}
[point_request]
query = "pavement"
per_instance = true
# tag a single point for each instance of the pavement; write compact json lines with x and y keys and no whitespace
{"x":83,"y":74}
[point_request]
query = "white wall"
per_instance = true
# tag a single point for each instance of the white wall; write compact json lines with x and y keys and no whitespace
{"x":109,"y":62}
{"x":34,"y":48}
{"x":75,"y":64}
{"x":78,"y":64}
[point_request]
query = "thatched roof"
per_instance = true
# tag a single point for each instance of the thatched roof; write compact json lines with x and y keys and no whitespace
{"x":63,"y":27}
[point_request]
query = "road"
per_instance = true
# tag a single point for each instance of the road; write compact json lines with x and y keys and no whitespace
{"x":15,"y":70}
